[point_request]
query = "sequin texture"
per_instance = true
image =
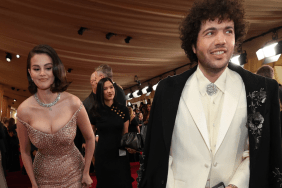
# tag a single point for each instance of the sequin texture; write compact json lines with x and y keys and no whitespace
{"x":58,"y":163}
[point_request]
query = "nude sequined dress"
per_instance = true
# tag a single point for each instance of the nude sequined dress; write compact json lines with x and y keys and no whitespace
{"x":58,"y":163}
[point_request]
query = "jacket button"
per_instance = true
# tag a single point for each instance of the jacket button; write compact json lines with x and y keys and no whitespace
{"x":207,"y":166}
{"x":215,"y":164}
{"x":162,"y":182}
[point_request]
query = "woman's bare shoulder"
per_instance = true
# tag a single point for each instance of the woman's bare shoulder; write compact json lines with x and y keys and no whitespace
{"x":25,"y":108}
{"x":72,"y":100}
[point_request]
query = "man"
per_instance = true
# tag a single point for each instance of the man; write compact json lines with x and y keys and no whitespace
{"x":104,"y":71}
{"x":88,"y":104}
{"x":89,"y":101}
{"x":216,"y":125}
{"x":266,"y":71}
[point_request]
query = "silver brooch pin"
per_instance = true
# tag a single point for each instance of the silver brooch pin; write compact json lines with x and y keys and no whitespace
{"x":211,"y":89}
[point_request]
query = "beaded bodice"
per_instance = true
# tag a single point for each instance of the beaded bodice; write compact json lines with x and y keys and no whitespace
{"x":51,"y":143}
{"x":58,"y":163}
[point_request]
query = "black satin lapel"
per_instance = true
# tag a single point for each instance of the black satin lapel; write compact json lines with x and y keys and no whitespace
{"x":171,"y":99}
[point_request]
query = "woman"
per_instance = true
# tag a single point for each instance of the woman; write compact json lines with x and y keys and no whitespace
{"x":13,"y":147}
{"x":48,"y":119}
{"x":133,"y":127}
{"x":133,"y":124}
{"x":111,"y":120}
{"x":147,"y":114}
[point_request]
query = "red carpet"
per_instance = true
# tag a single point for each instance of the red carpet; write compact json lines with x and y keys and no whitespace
{"x":17,"y":180}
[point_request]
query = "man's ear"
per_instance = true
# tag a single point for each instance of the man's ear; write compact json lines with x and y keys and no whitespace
{"x":194,"y":49}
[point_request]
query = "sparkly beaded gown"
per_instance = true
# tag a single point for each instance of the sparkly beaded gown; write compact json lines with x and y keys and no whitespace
{"x":112,"y":170}
{"x":58,"y":163}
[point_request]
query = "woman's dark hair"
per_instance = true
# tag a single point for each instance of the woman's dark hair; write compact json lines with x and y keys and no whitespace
{"x":209,"y":10}
{"x":99,"y":105}
{"x":11,"y":126}
{"x":60,"y":83}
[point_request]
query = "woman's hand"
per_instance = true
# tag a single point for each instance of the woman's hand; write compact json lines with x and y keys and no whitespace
{"x":131,"y":151}
{"x":34,"y":186}
{"x":86,"y":180}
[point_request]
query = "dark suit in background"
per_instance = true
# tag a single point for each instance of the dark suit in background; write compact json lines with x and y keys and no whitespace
{"x":120,"y":96}
{"x":88,"y":104}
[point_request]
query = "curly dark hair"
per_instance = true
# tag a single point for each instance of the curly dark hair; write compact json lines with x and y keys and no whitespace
{"x":60,"y":83}
{"x":204,"y":10}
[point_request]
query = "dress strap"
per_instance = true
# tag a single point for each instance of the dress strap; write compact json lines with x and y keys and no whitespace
{"x":23,"y":122}
{"x":78,"y":110}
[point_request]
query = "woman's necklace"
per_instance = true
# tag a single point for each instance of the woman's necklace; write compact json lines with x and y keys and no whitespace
{"x":47,"y":105}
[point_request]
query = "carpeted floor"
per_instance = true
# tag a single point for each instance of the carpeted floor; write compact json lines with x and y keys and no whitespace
{"x":18,"y":180}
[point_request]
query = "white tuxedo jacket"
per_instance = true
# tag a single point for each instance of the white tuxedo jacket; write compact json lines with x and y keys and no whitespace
{"x":191,"y":160}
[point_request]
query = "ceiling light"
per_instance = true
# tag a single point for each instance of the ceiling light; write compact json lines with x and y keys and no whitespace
{"x":149,"y":89}
{"x":260,"y":54}
{"x":271,"y":59}
{"x":270,"y":50}
{"x":15,"y":100}
{"x":135,"y":94}
{"x":235,"y":60}
{"x":69,"y":70}
{"x":240,"y":59}
{"x":127,"y":39}
{"x":18,"y":56}
{"x":8,"y":57}
{"x":130,"y":96}
{"x":140,"y":92}
{"x":109,"y":35}
{"x":144,"y":90}
{"x":155,"y":86}
{"x":81,"y":30}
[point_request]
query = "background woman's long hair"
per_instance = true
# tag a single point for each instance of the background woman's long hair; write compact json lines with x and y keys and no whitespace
{"x":99,"y":105}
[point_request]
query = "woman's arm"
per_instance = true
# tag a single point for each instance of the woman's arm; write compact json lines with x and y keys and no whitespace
{"x":87,"y":132}
{"x":25,"y":147}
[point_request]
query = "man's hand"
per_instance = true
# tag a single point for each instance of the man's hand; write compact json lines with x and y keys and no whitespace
{"x":131,"y":151}
{"x":231,"y":186}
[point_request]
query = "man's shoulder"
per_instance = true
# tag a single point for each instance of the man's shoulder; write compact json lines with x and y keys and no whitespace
{"x":88,"y":102}
{"x":175,"y":79}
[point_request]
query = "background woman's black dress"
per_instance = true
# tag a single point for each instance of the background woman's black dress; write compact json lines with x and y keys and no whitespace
{"x":112,"y":170}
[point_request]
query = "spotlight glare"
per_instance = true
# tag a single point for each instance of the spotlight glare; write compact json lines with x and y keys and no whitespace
{"x":18,"y":56}
{"x":148,"y":93}
{"x":269,"y":50}
{"x":8,"y":57}
{"x":235,"y":60}
{"x":155,"y":86}
{"x":144,"y":90}
{"x":135,"y":94}
{"x":271,"y":59}
{"x":260,"y":54}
